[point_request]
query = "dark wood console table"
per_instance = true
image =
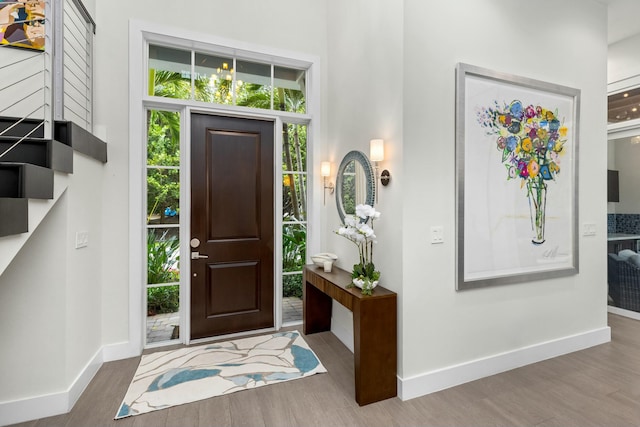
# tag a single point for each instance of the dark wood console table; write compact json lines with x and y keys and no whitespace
{"x":374,"y":328}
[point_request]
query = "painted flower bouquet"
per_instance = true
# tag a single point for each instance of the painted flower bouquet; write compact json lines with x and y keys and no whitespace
{"x":531,"y":140}
{"x":358,"y":229}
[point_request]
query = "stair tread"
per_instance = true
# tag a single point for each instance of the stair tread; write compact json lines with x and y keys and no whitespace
{"x":24,"y":180}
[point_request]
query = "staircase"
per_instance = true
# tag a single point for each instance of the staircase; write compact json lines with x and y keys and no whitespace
{"x":34,"y":174}
{"x":47,"y":80}
{"x":28,"y":163}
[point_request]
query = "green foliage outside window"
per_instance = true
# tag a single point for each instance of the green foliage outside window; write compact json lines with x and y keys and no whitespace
{"x":294,"y":255}
{"x":294,"y":245}
{"x":292,"y":286}
{"x":163,"y":256}
{"x":163,"y":299}
{"x":163,"y":149}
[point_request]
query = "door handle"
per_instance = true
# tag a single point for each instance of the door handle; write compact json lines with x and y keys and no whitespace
{"x":196,"y":255}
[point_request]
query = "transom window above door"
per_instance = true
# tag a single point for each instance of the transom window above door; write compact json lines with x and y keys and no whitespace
{"x":223,"y":79}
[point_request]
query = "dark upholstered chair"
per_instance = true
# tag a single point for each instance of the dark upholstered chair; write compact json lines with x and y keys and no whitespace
{"x":624,"y":283}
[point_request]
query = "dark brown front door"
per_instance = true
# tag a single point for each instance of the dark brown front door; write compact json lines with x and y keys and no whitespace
{"x":232,"y":218}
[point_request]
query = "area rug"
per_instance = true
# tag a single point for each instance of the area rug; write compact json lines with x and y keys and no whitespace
{"x":176,"y":377}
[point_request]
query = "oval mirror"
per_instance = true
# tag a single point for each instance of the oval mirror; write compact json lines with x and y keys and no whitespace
{"x":354,"y":183}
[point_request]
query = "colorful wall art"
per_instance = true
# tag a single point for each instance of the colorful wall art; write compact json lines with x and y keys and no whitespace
{"x":516,"y":140}
{"x":22,"y":24}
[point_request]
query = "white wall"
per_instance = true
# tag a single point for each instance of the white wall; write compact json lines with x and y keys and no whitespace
{"x":84,"y":265}
{"x":443,"y":327}
{"x":400,"y":85}
{"x":624,"y":59}
{"x":33,"y":310}
{"x":364,"y":100}
{"x":50,"y":310}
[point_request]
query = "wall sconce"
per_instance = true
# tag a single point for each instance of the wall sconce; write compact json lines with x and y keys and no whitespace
{"x":376,"y":154}
{"x":325,"y":171}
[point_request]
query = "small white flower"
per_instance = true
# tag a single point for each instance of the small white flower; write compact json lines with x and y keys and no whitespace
{"x":364,"y":211}
{"x":364,"y":228}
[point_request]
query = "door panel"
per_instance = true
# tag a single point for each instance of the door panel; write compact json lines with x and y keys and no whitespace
{"x":232,"y":216}
{"x":226,"y":154}
{"x":235,"y":291}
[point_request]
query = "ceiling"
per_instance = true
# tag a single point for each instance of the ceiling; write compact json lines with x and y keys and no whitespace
{"x":623,"y":19}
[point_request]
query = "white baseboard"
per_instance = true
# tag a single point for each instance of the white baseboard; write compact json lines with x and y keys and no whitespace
{"x":622,"y":312}
{"x":48,"y":405}
{"x":84,"y":378}
{"x":19,"y":411}
{"x":119,"y":351}
{"x":430,"y":382}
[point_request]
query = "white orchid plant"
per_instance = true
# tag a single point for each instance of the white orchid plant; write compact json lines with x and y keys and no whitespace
{"x":358,"y":229}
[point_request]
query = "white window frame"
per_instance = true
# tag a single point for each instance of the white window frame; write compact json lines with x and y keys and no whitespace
{"x":141,"y":35}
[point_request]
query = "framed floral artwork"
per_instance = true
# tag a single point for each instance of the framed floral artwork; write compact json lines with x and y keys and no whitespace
{"x":516,"y":178}
{"x":22,"y":23}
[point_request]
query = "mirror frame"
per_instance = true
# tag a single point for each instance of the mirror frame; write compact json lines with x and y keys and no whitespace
{"x":357,"y":156}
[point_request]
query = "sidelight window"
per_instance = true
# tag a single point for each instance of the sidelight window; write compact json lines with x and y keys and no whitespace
{"x":163,"y":224}
{"x":294,"y":222}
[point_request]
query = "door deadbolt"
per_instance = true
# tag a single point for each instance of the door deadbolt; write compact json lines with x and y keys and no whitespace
{"x":195,"y":243}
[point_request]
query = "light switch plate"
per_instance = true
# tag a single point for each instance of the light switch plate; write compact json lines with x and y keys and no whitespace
{"x":588,"y":229}
{"x":437,"y":234}
{"x":82,"y":239}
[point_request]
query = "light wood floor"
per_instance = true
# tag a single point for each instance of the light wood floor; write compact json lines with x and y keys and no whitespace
{"x":599,"y":386}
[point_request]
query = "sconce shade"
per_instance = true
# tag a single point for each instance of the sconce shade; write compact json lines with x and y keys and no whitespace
{"x":376,"y":150}
{"x":325,"y":169}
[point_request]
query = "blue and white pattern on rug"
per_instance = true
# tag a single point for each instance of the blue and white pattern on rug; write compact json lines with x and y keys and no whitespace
{"x":170,"y":378}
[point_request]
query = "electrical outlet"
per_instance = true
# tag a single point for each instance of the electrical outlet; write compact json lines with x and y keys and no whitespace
{"x":588,"y":229}
{"x":437,"y":234}
{"x":82,"y":239}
